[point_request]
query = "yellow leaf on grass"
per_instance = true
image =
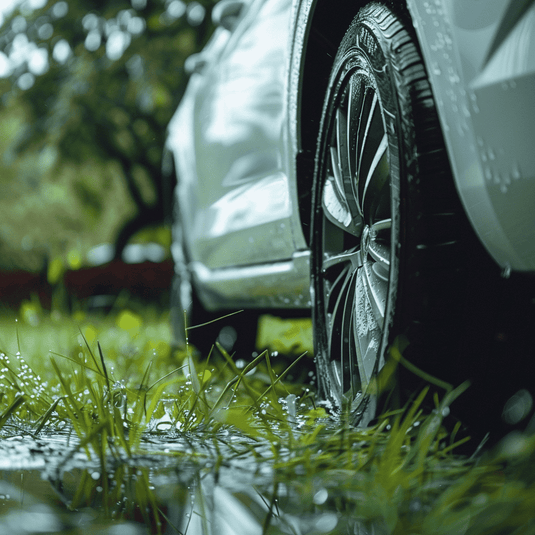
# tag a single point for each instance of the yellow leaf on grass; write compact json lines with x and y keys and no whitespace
{"x":287,"y":336}
{"x":128,"y":321}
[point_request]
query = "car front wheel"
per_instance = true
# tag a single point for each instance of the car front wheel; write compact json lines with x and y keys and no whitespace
{"x":386,"y":219}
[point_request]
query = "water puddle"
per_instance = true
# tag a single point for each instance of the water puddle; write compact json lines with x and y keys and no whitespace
{"x":226,"y":484}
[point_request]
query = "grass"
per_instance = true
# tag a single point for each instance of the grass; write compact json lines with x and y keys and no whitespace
{"x":179,"y":443}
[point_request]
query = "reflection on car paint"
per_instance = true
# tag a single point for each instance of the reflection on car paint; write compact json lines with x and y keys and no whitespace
{"x":240,"y":208}
{"x":275,"y":285}
{"x":240,"y":182}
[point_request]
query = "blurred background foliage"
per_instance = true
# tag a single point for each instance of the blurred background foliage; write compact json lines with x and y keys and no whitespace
{"x":87,"y":88}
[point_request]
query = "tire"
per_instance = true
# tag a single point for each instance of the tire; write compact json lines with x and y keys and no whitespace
{"x":386,"y":219}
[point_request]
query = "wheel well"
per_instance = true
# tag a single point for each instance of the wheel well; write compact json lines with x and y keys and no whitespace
{"x":326,"y":30}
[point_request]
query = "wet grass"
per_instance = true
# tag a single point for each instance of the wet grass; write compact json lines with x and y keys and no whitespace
{"x":173,"y":442}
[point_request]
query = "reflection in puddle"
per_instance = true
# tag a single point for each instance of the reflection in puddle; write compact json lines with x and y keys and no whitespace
{"x":176,"y":484}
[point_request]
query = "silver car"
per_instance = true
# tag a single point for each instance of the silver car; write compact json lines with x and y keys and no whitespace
{"x":341,"y":157}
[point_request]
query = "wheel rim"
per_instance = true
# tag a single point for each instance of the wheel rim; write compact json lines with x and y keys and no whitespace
{"x":355,"y":260}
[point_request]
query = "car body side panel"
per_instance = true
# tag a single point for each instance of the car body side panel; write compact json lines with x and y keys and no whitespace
{"x":236,"y":179}
{"x":241,"y":187}
{"x":481,"y":63}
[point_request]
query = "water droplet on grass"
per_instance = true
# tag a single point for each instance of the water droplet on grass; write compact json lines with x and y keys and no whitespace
{"x":326,"y":522}
{"x":321,"y":496}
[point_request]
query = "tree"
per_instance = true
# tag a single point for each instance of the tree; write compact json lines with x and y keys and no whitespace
{"x":94,"y":84}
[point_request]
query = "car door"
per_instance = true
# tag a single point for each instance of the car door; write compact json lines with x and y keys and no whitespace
{"x":235,"y":195}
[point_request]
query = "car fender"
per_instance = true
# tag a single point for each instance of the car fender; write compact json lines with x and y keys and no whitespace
{"x":481,"y":65}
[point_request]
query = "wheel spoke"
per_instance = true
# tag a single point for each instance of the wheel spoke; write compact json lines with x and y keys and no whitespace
{"x":337,"y":170}
{"x":380,"y":271}
{"x":376,"y":291}
{"x":380,"y":253}
{"x":377,"y":177}
{"x":334,"y":290}
{"x":336,"y":367}
{"x":336,"y":209}
{"x":337,"y":322}
{"x":384,"y":224}
{"x":379,"y":248}
{"x":347,"y":357}
{"x":339,"y":300}
{"x":338,"y":186}
{"x":366,"y":331}
{"x":369,"y":358}
{"x":365,"y":120}
{"x":372,"y":156}
{"x":354,"y":379}
{"x":350,"y":129}
{"x":352,"y":256}
{"x":341,"y":144}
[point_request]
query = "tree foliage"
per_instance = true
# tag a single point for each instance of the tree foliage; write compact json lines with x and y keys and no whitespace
{"x":87,"y":91}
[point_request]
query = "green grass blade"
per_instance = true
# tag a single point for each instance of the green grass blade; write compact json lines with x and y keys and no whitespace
{"x":78,"y":363}
{"x":17,"y":402}
{"x":90,"y":351}
{"x":213,"y":321}
{"x":165,"y":377}
{"x":281,"y":376}
{"x":46,"y":416}
{"x":104,"y":366}
{"x":396,"y":355}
